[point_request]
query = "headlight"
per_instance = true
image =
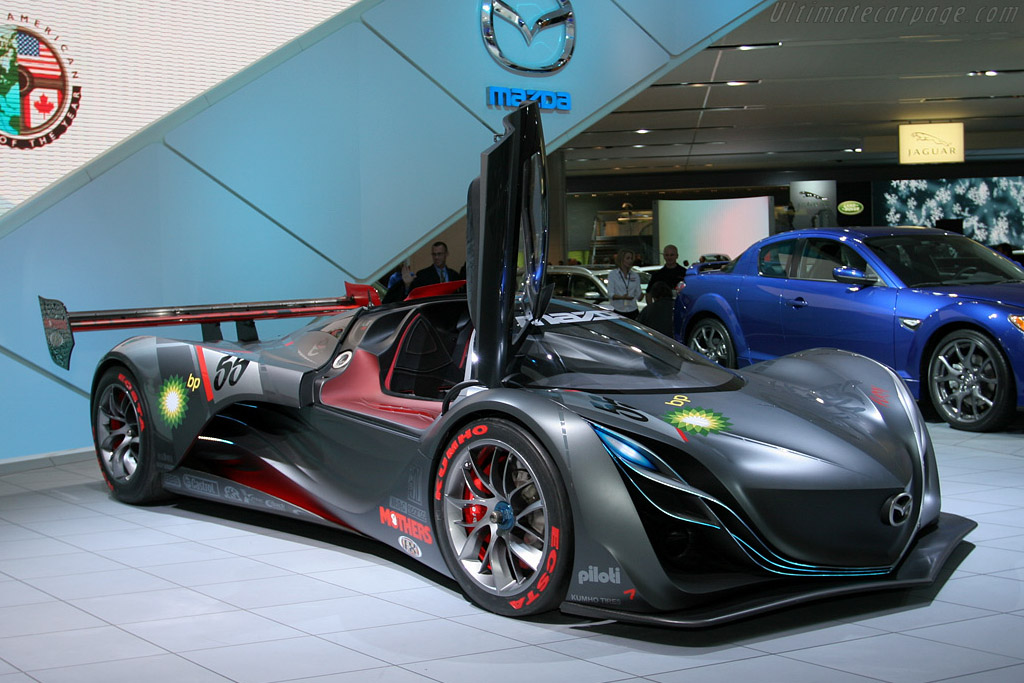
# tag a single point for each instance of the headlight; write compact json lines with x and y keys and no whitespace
{"x":1017,"y":321}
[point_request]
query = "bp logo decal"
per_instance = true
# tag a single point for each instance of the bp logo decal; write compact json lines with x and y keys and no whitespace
{"x":173,"y":401}
{"x":698,"y":421}
{"x":37,"y":101}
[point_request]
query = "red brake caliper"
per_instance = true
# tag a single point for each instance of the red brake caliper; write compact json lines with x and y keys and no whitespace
{"x":471,"y":514}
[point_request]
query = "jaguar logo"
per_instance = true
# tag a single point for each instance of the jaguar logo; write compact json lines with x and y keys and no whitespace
{"x":897,"y":510}
{"x":562,"y":16}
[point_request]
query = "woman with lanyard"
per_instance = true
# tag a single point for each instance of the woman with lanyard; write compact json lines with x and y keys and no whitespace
{"x":624,"y":286}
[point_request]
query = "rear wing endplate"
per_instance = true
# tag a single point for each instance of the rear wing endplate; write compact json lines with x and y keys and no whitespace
{"x":59,"y":325}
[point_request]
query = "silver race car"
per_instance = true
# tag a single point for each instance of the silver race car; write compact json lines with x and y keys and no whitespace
{"x":545,"y":454}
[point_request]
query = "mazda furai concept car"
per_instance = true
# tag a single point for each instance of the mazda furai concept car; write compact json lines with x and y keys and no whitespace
{"x":546,"y":454}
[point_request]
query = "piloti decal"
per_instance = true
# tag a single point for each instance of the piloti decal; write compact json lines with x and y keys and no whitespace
{"x":550,"y":563}
{"x":879,"y":396}
{"x":463,"y":437}
{"x":410,"y":527}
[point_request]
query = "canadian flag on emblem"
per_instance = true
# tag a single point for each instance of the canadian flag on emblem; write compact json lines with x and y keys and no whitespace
{"x":43,"y":103}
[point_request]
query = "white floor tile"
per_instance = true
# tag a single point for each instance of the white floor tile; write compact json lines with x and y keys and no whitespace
{"x":902,"y":659}
{"x":281,"y":660}
{"x":95,"y":590}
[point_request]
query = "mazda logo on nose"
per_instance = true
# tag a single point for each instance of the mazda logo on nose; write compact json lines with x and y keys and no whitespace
{"x":560,"y":16}
{"x":897,"y":509}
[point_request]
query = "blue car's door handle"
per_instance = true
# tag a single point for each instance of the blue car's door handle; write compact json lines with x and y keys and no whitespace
{"x":798,"y":302}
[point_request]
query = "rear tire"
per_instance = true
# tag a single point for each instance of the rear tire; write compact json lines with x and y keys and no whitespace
{"x":503,"y":519}
{"x":711,"y":338}
{"x":124,"y":445}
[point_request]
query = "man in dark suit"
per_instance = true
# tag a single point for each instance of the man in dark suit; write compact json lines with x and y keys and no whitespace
{"x":431,"y":275}
{"x":439,"y":271}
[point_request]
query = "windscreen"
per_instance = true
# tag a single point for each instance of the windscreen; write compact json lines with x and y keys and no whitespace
{"x":936,"y":260}
{"x":595,"y":350}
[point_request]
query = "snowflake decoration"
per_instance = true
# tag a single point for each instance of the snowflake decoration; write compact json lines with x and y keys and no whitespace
{"x":173,"y":401}
{"x":698,"y":421}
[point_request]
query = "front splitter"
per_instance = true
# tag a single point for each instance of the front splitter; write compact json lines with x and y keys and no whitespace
{"x":921,"y":567}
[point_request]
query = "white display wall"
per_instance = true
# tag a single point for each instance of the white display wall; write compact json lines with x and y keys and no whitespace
{"x":134,"y":61}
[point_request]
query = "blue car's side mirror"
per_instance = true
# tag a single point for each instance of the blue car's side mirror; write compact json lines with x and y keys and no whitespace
{"x":853,"y":276}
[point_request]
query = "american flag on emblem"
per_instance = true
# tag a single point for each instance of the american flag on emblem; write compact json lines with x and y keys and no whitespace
{"x":37,"y":57}
{"x":41,"y":106}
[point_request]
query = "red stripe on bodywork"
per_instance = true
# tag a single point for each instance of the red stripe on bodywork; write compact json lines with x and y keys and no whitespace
{"x":201,"y":352}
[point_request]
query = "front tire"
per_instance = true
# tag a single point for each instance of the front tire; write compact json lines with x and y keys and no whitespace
{"x":124,"y":446}
{"x":710,"y":337}
{"x":503,"y":519}
{"x":969,"y":382}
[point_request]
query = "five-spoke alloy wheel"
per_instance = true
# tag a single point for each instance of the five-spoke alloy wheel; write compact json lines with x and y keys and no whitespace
{"x":503,"y":519}
{"x":969,"y":382}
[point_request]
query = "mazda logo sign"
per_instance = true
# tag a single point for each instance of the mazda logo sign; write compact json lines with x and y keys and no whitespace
{"x":897,"y":510}
{"x":562,"y":16}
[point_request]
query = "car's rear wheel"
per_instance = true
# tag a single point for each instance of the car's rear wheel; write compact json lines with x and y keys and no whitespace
{"x":123,"y":442}
{"x":710,"y":337}
{"x":503,"y":519}
{"x":969,"y":382}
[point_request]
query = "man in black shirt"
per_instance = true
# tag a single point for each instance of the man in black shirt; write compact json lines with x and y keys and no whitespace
{"x":671,"y":273}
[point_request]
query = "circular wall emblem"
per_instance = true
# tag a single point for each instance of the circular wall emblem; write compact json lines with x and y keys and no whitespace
{"x":37,"y":101}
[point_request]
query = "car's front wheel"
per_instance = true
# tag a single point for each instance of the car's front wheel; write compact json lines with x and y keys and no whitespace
{"x":503,"y":519}
{"x":969,"y":382}
{"x":123,"y":442}
{"x":710,"y":337}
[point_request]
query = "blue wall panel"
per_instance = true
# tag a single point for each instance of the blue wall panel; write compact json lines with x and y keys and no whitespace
{"x":612,"y":54}
{"x":342,"y":144}
{"x":164,"y":234}
{"x":324,"y":162}
{"x":36,"y":417}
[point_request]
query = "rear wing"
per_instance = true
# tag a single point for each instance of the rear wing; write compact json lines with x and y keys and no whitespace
{"x":59,"y":325}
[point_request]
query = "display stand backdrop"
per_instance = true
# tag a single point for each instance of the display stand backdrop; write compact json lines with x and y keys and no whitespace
{"x":327,"y":160}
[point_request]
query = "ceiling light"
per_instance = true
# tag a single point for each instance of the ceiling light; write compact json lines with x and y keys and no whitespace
{"x":642,"y":131}
{"x":994,"y":72}
{"x":747,"y":46}
{"x":854,"y":149}
{"x":704,"y":84}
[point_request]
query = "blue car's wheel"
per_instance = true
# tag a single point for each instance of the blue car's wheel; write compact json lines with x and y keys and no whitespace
{"x":503,"y":520}
{"x":969,"y":382}
{"x":123,"y":443}
{"x":710,"y":337}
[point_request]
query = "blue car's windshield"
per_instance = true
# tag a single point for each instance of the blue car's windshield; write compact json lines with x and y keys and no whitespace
{"x":930,"y":260}
{"x":572,"y":350}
